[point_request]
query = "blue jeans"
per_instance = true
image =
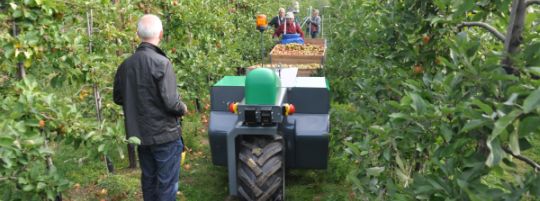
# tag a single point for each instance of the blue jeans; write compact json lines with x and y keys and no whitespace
{"x":160,"y":167}
{"x":314,"y":34}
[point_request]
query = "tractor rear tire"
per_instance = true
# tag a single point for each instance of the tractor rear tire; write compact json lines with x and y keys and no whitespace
{"x":260,"y":168}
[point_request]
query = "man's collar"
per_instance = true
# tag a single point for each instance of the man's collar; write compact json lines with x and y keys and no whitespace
{"x":152,"y":47}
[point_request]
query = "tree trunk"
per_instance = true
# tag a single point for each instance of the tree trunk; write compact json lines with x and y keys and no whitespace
{"x":513,"y":35}
{"x":21,"y":72}
{"x":132,"y":156}
{"x":97,"y":96}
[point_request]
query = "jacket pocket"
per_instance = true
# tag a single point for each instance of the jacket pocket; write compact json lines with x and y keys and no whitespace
{"x":166,"y":137}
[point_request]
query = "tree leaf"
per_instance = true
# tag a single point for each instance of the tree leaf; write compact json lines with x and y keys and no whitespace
{"x":8,"y":51}
{"x":465,"y":6}
{"x":534,"y":70}
{"x":28,"y":187}
{"x":446,"y":132}
{"x":514,"y":139}
{"x":529,"y":125}
{"x":484,"y":107}
{"x":440,"y":4}
{"x":496,"y":153}
{"x":471,"y":125}
{"x":27,"y":63}
{"x":399,"y":162}
{"x":398,"y":115}
{"x":13,"y":6}
{"x":374,"y":171}
{"x":435,"y":184}
{"x":512,"y":100}
{"x":377,"y":129}
{"x":403,"y":176}
{"x":418,"y":104}
{"x":134,"y":140}
{"x":503,"y":122}
{"x":535,"y":187}
{"x":524,"y":144}
{"x":6,"y":141}
{"x":386,"y":153}
{"x":532,"y":101}
{"x":41,"y":185}
{"x":101,"y":147}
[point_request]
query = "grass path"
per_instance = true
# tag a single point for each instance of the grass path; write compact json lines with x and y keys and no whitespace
{"x":200,"y":180}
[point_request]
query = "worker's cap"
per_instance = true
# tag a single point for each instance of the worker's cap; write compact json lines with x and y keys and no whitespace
{"x":289,"y":15}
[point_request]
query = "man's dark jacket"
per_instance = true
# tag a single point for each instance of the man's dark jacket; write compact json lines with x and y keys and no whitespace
{"x":145,"y":86}
{"x":277,"y":21}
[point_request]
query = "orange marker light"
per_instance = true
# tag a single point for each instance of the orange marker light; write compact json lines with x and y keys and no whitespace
{"x":233,"y":107}
{"x":289,"y":109}
{"x":292,"y":109}
{"x":262,"y":22}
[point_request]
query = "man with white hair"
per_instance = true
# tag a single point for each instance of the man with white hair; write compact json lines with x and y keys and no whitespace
{"x":145,"y":86}
{"x":278,"y":20}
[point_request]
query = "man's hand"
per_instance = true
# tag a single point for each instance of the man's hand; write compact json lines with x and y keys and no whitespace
{"x":184,"y":107}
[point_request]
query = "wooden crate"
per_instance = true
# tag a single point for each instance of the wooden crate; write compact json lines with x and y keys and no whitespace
{"x":301,"y":59}
{"x":315,"y":41}
{"x":302,"y":71}
{"x":295,"y":59}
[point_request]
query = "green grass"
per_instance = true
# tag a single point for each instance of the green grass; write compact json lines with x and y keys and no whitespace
{"x":534,"y":152}
{"x":200,"y":180}
{"x":314,"y":185}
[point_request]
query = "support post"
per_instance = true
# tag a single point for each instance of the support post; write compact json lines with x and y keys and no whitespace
{"x":262,"y":49}
{"x":48,"y":159}
{"x":97,"y":95}
{"x":21,"y":72}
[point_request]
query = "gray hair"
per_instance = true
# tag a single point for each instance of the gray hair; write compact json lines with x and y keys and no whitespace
{"x":149,"y":26}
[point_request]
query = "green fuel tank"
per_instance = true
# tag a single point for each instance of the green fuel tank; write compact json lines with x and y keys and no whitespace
{"x":261,"y":87}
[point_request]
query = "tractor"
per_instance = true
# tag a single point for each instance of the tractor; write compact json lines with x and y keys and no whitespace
{"x":260,"y":126}
{"x":264,"y":123}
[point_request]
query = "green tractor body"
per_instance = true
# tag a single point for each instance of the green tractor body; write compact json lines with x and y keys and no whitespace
{"x":262,"y":87}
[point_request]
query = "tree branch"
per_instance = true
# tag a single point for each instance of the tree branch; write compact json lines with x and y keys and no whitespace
{"x":7,"y":178}
{"x":531,"y":2}
{"x":486,"y":26}
{"x":532,"y":163}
